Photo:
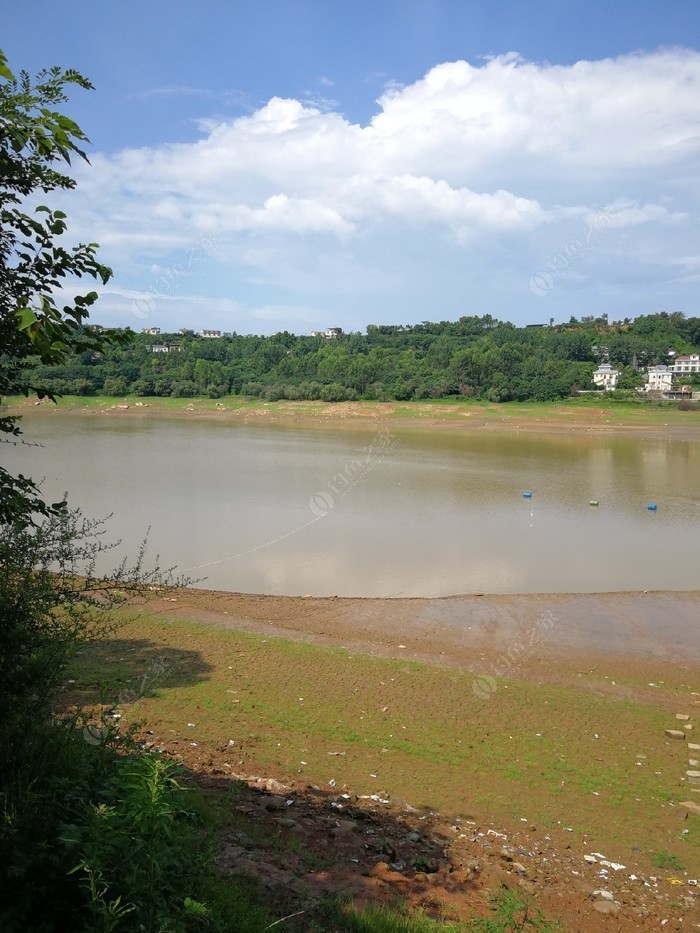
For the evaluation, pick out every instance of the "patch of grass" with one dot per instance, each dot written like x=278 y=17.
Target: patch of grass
x=667 y=860
x=508 y=912
x=336 y=916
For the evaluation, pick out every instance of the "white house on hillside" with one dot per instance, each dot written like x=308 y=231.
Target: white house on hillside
x=659 y=379
x=606 y=377
x=687 y=365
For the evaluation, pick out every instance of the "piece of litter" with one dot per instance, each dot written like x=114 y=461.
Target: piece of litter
x=331 y=783
x=191 y=725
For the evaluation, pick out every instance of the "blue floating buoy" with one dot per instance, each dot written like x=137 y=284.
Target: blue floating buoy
x=527 y=495
x=652 y=506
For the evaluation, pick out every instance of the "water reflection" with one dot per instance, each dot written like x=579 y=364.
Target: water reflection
x=438 y=512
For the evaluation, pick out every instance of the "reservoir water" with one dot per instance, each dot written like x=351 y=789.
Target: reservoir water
x=366 y=512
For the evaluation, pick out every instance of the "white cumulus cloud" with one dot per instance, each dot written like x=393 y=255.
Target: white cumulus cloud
x=458 y=190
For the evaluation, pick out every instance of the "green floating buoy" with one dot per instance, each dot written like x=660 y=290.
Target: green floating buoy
x=593 y=502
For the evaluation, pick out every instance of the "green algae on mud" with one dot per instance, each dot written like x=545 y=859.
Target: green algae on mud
x=558 y=755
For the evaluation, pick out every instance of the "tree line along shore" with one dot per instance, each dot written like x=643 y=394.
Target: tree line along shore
x=472 y=357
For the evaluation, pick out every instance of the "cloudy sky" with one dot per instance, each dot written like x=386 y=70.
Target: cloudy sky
x=296 y=164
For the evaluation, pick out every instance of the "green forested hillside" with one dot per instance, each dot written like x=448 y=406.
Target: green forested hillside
x=477 y=357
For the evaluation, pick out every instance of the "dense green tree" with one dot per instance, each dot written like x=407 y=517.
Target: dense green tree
x=35 y=139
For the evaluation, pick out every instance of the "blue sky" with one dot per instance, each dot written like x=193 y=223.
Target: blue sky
x=293 y=165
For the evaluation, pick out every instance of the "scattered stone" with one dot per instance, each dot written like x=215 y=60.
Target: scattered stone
x=691 y=806
x=606 y=907
x=675 y=734
x=601 y=892
x=288 y=823
x=271 y=785
x=344 y=828
x=694 y=747
x=693 y=774
x=682 y=717
x=275 y=803
x=413 y=836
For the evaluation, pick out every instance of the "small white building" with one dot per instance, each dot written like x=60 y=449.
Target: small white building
x=153 y=331
x=211 y=334
x=606 y=377
x=687 y=365
x=659 y=379
x=164 y=348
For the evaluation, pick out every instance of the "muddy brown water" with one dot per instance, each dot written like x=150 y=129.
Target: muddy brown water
x=282 y=509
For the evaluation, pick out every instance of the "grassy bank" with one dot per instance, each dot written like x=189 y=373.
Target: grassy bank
x=599 y=412
x=565 y=757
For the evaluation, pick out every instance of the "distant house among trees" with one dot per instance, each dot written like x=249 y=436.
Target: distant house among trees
x=211 y=334
x=153 y=331
x=687 y=365
x=606 y=377
x=329 y=332
x=659 y=379
x=164 y=348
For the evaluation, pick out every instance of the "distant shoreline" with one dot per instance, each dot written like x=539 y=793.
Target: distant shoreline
x=566 y=416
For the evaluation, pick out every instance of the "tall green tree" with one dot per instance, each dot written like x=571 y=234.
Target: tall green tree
x=36 y=141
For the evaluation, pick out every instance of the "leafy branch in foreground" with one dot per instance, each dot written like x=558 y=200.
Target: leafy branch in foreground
x=34 y=262
x=54 y=598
